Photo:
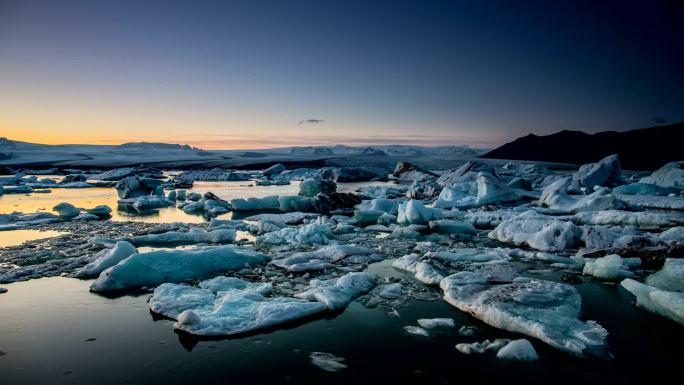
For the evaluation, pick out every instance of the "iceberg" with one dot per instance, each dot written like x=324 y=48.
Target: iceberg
x=157 y=267
x=639 y=220
x=416 y=331
x=424 y=271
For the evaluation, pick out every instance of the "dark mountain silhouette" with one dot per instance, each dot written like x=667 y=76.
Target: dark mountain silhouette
x=640 y=149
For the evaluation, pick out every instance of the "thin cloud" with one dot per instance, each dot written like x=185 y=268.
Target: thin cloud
x=312 y=121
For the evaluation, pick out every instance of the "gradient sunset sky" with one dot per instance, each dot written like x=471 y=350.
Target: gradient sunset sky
x=243 y=74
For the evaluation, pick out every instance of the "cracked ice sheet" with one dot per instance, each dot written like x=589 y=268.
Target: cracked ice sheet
x=540 y=309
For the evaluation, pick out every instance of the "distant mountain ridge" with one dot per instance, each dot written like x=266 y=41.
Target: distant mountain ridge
x=639 y=149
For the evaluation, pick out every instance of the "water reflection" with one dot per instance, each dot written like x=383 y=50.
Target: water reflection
x=91 y=197
x=17 y=237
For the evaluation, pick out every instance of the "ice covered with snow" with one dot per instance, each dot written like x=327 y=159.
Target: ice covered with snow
x=337 y=294
x=106 y=258
x=160 y=266
x=544 y=310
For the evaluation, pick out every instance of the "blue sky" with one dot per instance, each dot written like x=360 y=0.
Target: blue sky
x=243 y=74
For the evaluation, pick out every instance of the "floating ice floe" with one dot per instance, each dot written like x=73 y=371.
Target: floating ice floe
x=156 y=267
x=670 y=175
x=538 y=231
x=416 y=331
x=274 y=170
x=390 y=290
x=192 y=236
x=336 y=294
x=544 y=310
x=670 y=277
x=106 y=258
x=311 y=234
x=414 y=212
x=447 y=226
x=481 y=347
x=227 y=306
x=328 y=362
x=608 y=267
x=423 y=270
x=66 y=210
x=310 y=187
x=669 y=304
x=437 y=323
x=518 y=350
x=292 y=218
x=326 y=257
x=606 y=172
x=639 y=220
x=17 y=220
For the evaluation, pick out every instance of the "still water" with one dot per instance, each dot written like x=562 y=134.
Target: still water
x=46 y=327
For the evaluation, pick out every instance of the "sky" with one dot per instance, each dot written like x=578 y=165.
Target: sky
x=245 y=74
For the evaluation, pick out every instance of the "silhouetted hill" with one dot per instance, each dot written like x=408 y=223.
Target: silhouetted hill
x=640 y=149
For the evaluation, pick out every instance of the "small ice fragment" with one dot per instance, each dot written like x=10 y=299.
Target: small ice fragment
x=519 y=350
x=415 y=330
x=327 y=361
x=433 y=323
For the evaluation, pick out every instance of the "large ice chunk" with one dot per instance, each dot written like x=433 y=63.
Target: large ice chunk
x=234 y=307
x=669 y=304
x=156 y=267
x=540 y=309
x=608 y=267
x=670 y=277
x=538 y=231
x=670 y=175
x=325 y=256
x=414 y=212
